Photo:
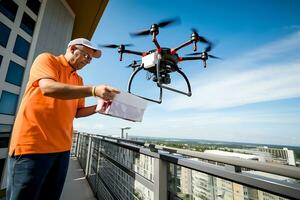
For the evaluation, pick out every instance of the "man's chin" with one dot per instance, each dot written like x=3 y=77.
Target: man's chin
x=80 y=66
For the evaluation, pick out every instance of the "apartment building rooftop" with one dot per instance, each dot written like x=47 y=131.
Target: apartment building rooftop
x=233 y=154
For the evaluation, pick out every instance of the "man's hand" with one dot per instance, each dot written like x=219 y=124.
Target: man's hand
x=107 y=93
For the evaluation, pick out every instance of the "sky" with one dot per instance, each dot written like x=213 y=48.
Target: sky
x=252 y=95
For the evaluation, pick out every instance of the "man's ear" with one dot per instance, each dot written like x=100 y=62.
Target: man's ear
x=72 y=49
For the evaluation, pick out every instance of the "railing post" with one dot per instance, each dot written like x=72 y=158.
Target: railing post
x=76 y=146
x=160 y=179
x=88 y=156
x=233 y=168
x=79 y=146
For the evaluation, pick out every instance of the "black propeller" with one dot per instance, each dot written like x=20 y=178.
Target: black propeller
x=168 y=22
x=206 y=50
x=115 y=45
x=155 y=27
x=199 y=38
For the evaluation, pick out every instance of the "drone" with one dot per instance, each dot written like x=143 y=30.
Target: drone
x=162 y=61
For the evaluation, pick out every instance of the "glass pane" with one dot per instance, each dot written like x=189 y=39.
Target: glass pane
x=34 y=5
x=189 y=184
x=5 y=31
x=9 y=8
x=21 y=47
x=141 y=164
x=27 y=24
x=5 y=128
x=8 y=103
x=4 y=141
x=2 y=164
x=14 y=74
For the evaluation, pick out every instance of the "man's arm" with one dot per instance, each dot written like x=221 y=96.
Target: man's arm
x=59 y=90
x=87 y=111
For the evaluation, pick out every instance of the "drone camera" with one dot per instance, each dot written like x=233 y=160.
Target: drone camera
x=165 y=78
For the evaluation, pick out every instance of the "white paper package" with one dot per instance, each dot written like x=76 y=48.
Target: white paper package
x=125 y=106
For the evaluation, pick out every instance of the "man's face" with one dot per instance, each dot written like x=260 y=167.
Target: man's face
x=81 y=56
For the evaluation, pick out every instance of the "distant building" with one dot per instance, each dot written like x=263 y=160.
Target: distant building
x=263 y=156
x=233 y=154
x=205 y=186
x=283 y=156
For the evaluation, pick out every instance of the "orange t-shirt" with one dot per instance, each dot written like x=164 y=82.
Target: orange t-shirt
x=45 y=124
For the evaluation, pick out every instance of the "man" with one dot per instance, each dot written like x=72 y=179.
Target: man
x=42 y=134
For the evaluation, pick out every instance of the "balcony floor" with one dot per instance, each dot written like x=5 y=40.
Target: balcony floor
x=76 y=186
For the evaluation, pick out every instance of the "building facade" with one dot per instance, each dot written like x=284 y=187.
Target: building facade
x=282 y=156
x=28 y=28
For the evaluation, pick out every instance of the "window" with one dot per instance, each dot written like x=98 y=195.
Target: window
x=14 y=74
x=5 y=131
x=1 y=59
x=27 y=24
x=5 y=31
x=21 y=47
x=34 y=5
x=8 y=103
x=9 y=8
x=5 y=128
x=4 y=141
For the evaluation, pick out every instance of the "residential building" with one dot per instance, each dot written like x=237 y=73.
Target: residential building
x=283 y=156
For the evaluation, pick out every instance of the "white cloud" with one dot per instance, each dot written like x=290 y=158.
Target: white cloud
x=247 y=81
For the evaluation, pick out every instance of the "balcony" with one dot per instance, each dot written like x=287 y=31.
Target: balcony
x=125 y=169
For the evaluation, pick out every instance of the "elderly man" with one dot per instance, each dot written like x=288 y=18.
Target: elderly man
x=42 y=134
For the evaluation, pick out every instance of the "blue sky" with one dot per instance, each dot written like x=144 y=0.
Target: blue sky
x=253 y=95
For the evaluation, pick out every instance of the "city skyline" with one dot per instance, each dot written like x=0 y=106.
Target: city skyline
x=252 y=95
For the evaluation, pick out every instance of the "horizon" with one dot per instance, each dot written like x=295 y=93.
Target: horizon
x=252 y=95
x=233 y=142
x=220 y=141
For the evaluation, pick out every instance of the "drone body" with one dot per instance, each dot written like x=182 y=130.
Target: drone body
x=160 y=62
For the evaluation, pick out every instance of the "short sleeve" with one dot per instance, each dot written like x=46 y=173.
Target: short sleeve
x=44 y=66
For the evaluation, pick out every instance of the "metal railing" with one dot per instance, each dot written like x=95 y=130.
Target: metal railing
x=126 y=169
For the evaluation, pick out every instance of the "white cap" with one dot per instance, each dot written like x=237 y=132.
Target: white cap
x=86 y=43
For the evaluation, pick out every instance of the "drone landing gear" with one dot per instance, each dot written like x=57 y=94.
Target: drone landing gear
x=129 y=86
x=160 y=83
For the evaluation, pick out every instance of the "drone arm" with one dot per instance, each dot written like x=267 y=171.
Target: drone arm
x=190 y=58
x=193 y=58
x=154 y=40
x=173 y=51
